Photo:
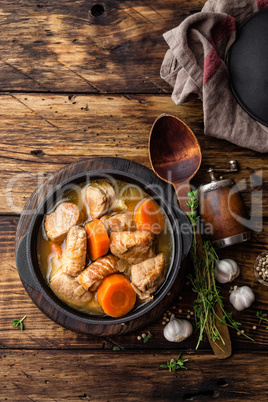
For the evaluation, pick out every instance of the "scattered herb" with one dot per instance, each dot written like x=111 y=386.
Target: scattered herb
x=116 y=345
x=208 y=299
x=17 y=323
x=117 y=348
x=262 y=317
x=173 y=365
x=148 y=337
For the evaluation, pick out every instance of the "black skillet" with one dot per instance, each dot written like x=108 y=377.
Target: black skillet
x=247 y=62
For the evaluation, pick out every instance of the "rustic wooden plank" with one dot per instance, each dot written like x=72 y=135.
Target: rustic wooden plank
x=81 y=375
x=41 y=333
x=55 y=46
x=42 y=133
x=47 y=46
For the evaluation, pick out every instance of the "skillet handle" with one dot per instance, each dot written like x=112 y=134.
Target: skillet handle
x=186 y=233
x=23 y=265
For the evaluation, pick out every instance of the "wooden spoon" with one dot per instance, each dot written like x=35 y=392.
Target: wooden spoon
x=175 y=154
x=175 y=157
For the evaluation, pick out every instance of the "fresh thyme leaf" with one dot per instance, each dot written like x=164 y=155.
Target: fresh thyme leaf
x=262 y=317
x=148 y=337
x=173 y=365
x=117 y=348
x=17 y=323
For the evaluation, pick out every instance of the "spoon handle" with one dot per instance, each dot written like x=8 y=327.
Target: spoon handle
x=222 y=350
x=182 y=190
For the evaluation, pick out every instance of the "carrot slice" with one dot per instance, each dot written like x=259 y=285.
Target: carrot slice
x=56 y=248
x=97 y=239
x=116 y=295
x=148 y=216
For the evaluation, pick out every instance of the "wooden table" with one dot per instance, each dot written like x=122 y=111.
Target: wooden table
x=80 y=80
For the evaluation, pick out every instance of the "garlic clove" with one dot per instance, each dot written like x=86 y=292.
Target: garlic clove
x=226 y=270
x=177 y=330
x=242 y=297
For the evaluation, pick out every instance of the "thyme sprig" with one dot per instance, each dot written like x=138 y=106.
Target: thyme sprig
x=174 y=364
x=17 y=323
x=116 y=345
x=262 y=317
x=208 y=299
x=148 y=337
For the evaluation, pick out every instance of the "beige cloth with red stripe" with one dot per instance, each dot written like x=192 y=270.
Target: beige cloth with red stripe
x=194 y=66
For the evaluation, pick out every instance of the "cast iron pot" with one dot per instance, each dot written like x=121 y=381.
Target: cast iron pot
x=40 y=292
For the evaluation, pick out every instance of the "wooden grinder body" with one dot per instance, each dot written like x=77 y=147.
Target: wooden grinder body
x=223 y=212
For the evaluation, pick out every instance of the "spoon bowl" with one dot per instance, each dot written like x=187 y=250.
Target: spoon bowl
x=174 y=153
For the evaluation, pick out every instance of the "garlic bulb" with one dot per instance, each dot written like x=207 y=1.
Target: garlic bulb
x=242 y=297
x=226 y=270
x=177 y=330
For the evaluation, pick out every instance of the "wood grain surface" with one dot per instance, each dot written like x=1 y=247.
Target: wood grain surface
x=50 y=46
x=78 y=82
x=42 y=133
x=38 y=376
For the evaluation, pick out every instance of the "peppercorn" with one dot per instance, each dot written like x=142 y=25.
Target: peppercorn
x=261 y=267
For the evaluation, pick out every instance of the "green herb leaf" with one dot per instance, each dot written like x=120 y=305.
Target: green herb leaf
x=117 y=348
x=262 y=317
x=17 y=323
x=148 y=337
x=173 y=365
x=164 y=366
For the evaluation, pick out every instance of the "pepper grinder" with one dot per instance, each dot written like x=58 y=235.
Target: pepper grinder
x=223 y=212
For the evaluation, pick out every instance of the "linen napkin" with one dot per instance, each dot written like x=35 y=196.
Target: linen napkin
x=195 y=67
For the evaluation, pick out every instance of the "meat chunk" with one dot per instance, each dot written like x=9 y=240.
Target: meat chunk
x=121 y=222
x=99 y=199
x=69 y=290
x=132 y=247
x=148 y=275
x=92 y=276
x=108 y=190
x=59 y=222
x=105 y=221
x=74 y=255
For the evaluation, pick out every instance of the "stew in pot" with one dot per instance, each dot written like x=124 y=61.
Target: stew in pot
x=105 y=247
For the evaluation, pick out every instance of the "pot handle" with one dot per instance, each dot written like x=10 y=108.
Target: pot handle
x=23 y=265
x=186 y=233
